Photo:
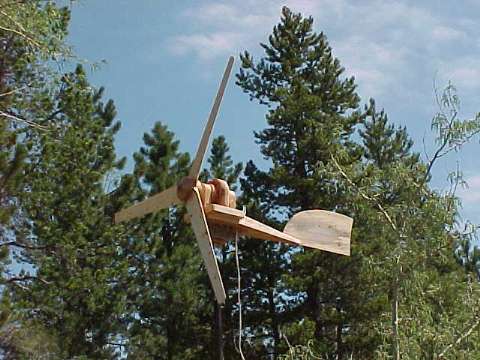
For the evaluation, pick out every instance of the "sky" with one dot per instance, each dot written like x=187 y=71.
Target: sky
x=163 y=60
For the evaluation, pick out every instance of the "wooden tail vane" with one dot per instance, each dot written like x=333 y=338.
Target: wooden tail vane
x=215 y=219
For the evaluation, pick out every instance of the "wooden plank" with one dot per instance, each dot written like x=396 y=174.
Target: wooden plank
x=221 y=234
x=245 y=225
x=202 y=234
x=223 y=214
x=154 y=203
x=202 y=147
x=321 y=229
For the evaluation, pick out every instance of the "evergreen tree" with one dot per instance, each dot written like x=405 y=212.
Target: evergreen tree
x=172 y=306
x=312 y=113
x=383 y=143
x=164 y=264
x=73 y=287
x=31 y=35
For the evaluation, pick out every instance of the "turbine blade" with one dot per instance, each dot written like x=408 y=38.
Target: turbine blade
x=202 y=234
x=154 y=203
x=202 y=147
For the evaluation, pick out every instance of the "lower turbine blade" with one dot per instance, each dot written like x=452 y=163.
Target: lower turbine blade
x=200 y=228
x=154 y=203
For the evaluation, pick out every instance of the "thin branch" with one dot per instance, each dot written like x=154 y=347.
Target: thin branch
x=425 y=148
x=28 y=38
x=117 y=344
x=16 y=244
x=13 y=91
x=459 y=339
x=438 y=154
x=28 y=122
x=16 y=279
x=365 y=196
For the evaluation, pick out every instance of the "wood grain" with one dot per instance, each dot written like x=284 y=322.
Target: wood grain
x=202 y=234
x=202 y=147
x=317 y=229
x=154 y=203
x=322 y=229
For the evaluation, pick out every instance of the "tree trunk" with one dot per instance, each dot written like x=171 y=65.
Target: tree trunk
x=339 y=327
x=395 y=334
x=273 y=315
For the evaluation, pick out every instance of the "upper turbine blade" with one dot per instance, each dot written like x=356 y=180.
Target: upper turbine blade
x=202 y=147
x=200 y=228
x=156 y=202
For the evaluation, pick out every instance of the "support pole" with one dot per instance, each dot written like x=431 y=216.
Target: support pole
x=219 y=330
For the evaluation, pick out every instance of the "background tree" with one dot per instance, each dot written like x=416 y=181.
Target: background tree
x=173 y=316
x=313 y=110
x=73 y=249
x=403 y=239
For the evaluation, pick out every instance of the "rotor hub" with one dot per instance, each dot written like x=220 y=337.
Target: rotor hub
x=216 y=191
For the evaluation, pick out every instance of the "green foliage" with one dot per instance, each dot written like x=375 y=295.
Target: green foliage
x=85 y=288
x=172 y=317
x=313 y=110
x=404 y=239
x=164 y=284
x=74 y=249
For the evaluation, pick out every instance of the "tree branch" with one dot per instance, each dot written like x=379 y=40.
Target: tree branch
x=16 y=244
x=459 y=339
x=15 y=279
x=28 y=122
x=363 y=195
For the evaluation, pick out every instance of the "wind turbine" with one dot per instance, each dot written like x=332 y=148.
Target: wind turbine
x=214 y=218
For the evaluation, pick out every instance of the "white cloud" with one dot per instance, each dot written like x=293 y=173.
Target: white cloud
x=385 y=44
x=205 y=46
x=471 y=194
x=464 y=72
x=445 y=33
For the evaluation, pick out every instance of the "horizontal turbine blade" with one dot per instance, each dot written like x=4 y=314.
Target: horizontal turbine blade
x=202 y=147
x=202 y=234
x=154 y=203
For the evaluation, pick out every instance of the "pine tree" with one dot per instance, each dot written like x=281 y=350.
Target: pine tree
x=172 y=312
x=32 y=34
x=74 y=255
x=313 y=110
x=383 y=143
x=164 y=287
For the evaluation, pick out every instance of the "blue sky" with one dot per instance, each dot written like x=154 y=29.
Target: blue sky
x=164 y=61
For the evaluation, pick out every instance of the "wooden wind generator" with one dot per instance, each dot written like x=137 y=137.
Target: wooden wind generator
x=214 y=218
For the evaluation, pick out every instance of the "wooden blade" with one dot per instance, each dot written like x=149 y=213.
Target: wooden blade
x=200 y=228
x=202 y=147
x=154 y=203
x=322 y=229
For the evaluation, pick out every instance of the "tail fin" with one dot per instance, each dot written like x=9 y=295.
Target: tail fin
x=323 y=230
